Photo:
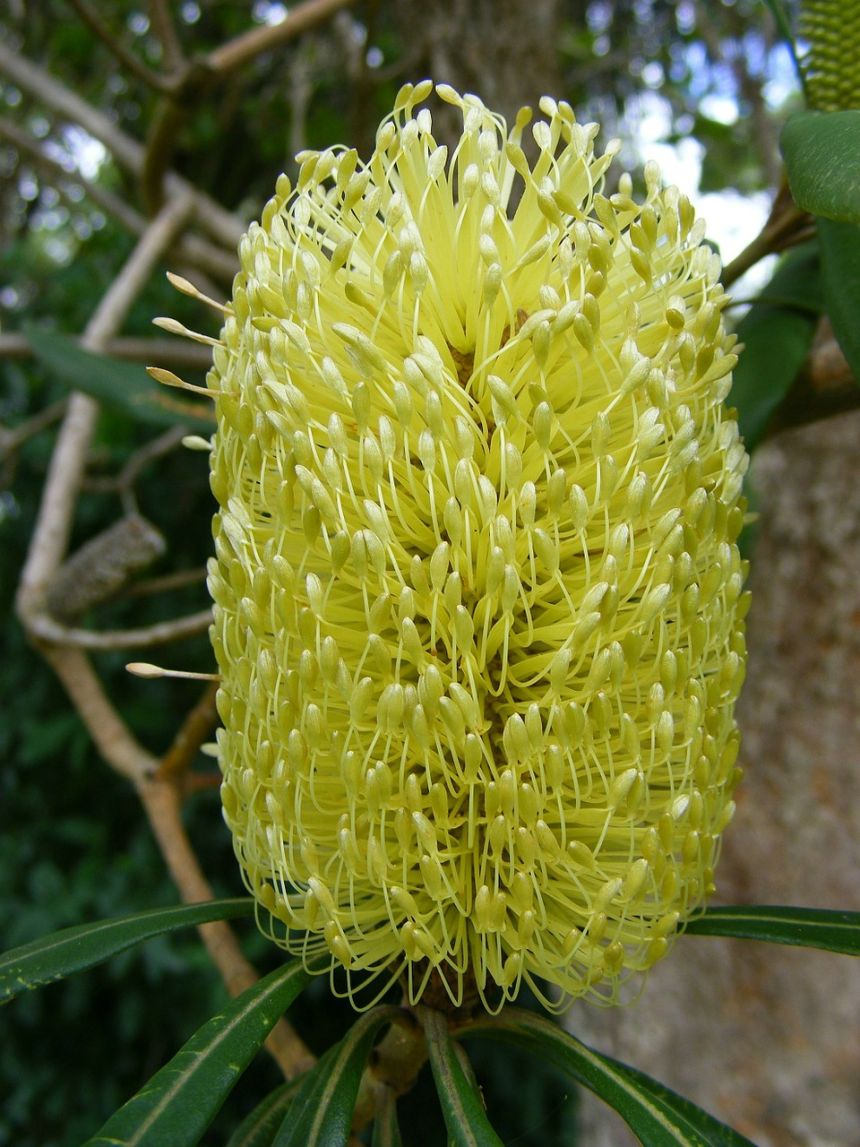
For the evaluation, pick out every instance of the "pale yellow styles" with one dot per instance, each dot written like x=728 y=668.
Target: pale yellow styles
x=478 y=603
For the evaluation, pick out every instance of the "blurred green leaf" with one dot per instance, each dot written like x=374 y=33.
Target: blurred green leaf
x=321 y=1113
x=658 y=1116
x=52 y=957
x=462 y=1106
x=822 y=159
x=125 y=385
x=806 y=927
x=776 y=339
x=177 y=1105
x=386 y=1129
x=258 y=1128
x=840 y=271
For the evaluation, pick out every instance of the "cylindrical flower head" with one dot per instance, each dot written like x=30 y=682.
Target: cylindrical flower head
x=478 y=603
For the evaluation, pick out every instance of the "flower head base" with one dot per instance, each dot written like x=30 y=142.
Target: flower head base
x=478 y=606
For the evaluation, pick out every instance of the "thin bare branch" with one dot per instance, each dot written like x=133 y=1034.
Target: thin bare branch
x=47 y=629
x=246 y=47
x=175 y=351
x=164 y=27
x=128 y=59
x=13 y=437
x=786 y=227
x=197 y=726
x=192 y=249
x=128 y=152
x=179 y=579
x=53 y=523
x=163 y=805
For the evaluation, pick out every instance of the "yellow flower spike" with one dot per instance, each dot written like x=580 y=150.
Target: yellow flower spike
x=478 y=608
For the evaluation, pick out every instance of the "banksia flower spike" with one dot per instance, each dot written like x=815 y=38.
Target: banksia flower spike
x=478 y=603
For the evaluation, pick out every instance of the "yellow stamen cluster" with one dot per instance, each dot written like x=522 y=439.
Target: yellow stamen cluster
x=478 y=603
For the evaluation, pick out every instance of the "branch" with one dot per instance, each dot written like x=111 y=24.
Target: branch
x=250 y=44
x=165 y=30
x=46 y=629
x=191 y=249
x=128 y=152
x=128 y=59
x=53 y=523
x=786 y=226
x=163 y=807
x=196 y=727
x=11 y=439
x=145 y=350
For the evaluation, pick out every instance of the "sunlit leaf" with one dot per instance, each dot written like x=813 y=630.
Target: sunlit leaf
x=73 y=949
x=177 y=1105
x=321 y=1114
x=822 y=159
x=124 y=385
x=259 y=1127
x=807 y=927
x=776 y=336
x=840 y=271
x=658 y=1116
x=465 y=1117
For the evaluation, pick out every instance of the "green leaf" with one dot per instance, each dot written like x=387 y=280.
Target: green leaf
x=258 y=1128
x=177 y=1105
x=658 y=1116
x=465 y=1117
x=321 y=1114
x=386 y=1129
x=805 y=927
x=52 y=957
x=776 y=341
x=124 y=385
x=822 y=160
x=840 y=270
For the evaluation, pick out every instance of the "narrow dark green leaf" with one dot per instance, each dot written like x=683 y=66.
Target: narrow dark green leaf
x=840 y=271
x=386 y=1129
x=658 y=1116
x=822 y=160
x=321 y=1114
x=805 y=927
x=462 y=1106
x=124 y=385
x=259 y=1127
x=776 y=341
x=73 y=949
x=177 y=1105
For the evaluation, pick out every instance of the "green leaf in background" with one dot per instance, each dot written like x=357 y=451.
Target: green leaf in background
x=259 y=1127
x=776 y=335
x=180 y=1101
x=806 y=927
x=658 y=1116
x=124 y=385
x=73 y=949
x=462 y=1106
x=840 y=271
x=386 y=1129
x=321 y=1114
x=822 y=160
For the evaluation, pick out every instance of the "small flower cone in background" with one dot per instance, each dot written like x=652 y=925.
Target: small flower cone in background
x=478 y=602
